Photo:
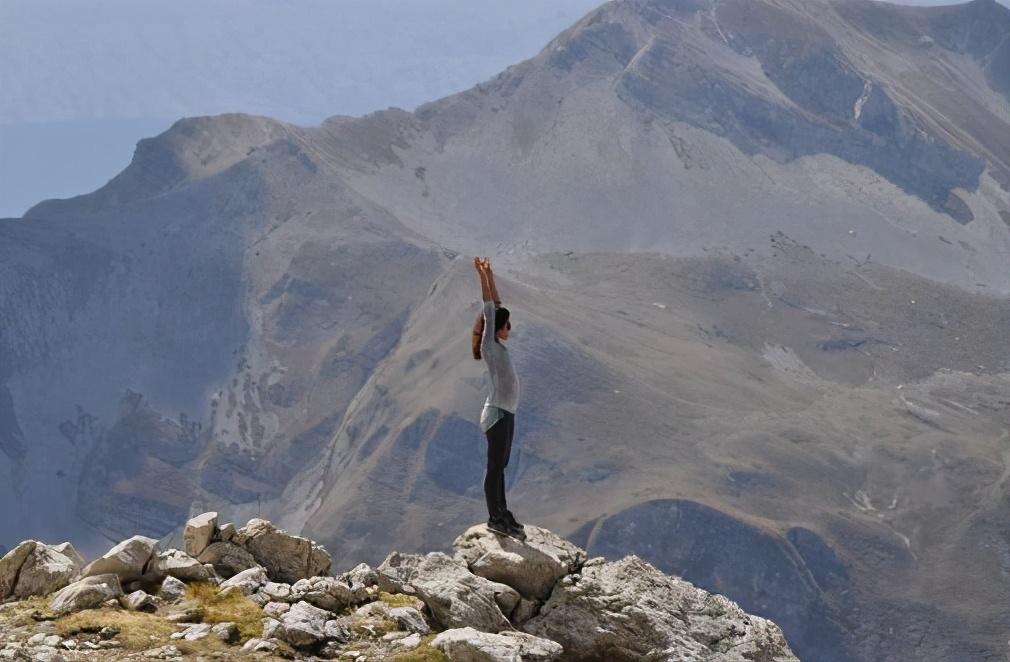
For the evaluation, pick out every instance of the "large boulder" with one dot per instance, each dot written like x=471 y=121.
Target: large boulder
x=531 y=567
x=628 y=610
x=10 y=566
x=227 y=558
x=286 y=557
x=178 y=564
x=86 y=593
x=469 y=645
x=34 y=568
x=302 y=626
x=128 y=560
x=455 y=596
x=44 y=571
x=198 y=533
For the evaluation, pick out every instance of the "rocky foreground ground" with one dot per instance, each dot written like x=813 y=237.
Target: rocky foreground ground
x=257 y=592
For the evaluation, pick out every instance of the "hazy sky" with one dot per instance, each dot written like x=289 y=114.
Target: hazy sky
x=83 y=80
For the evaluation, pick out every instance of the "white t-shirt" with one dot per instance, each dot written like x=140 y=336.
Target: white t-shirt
x=504 y=393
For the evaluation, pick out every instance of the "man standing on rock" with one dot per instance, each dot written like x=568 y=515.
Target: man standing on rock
x=497 y=419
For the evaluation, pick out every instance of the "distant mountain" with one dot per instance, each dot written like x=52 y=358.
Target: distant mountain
x=83 y=83
x=755 y=252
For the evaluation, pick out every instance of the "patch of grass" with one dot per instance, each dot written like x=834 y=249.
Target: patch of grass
x=423 y=653
x=232 y=608
x=137 y=630
x=398 y=599
x=25 y=611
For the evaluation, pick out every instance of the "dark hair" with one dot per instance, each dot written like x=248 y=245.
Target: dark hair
x=501 y=318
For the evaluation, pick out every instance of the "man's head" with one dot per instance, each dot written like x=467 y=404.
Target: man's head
x=502 y=325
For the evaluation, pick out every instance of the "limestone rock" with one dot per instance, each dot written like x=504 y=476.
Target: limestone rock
x=470 y=645
x=227 y=558
x=278 y=592
x=286 y=557
x=198 y=533
x=179 y=564
x=10 y=566
x=140 y=601
x=248 y=581
x=329 y=593
x=530 y=567
x=128 y=560
x=629 y=610
x=226 y=632
x=67 y=550
x=43 y=570
x=302 y=626
x=86 y=593
x=455 y=596
x=409 y=619
x=524 y=611
x=276 y=609
x=171 y=589
x=226 y=532
x=194 y=632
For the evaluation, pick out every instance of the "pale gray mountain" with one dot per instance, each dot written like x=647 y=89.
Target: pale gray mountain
x=755 y=252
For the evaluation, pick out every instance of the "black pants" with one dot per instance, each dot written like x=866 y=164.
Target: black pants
x=499 y=447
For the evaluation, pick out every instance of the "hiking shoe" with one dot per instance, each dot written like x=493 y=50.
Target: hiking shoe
x=511 y=520
x=500 y=526
x=517 y=531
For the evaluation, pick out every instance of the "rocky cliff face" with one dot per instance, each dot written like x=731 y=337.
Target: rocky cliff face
x=260 y=593
x=755 y=253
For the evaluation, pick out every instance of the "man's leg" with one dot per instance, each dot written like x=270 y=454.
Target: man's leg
x=494 y=479
x=510 y=421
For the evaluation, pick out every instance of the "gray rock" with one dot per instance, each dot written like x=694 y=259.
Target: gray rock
x=43 y=571
x=226 y=632
x=524 y=611
x=10 y=565
x=194 y=632
x=629 y=610
x=179 y=564
x=362 y=573
x=86 y=593
x=410 y=641
x=198 y=533
x=409 y=619
x=128 y=560
x=329 y=593
x=531 y=566
x=301 y=626
x=256 y=645
x=286 y=557
x=338 y=629
x=455 y=596
x=248 y=581
x=277 y=592
x=470 y=645
x=172 y=589
x=226 y=532
x=276 y=609
x=227 y=558
x=140 y=601
x=68 y=550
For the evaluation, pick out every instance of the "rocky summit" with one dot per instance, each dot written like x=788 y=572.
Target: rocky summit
x=496 y=599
